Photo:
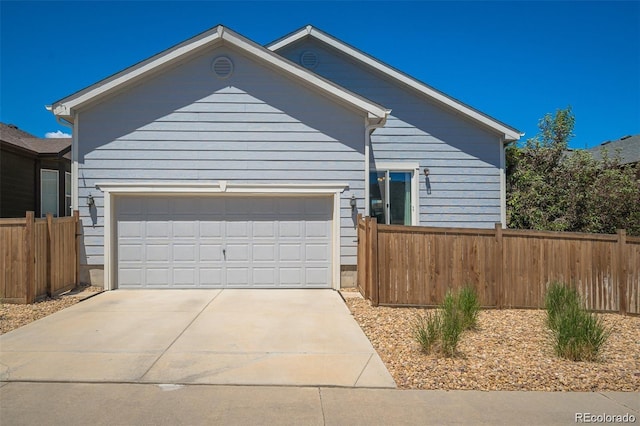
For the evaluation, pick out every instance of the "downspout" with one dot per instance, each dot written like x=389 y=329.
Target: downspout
x=368 y=129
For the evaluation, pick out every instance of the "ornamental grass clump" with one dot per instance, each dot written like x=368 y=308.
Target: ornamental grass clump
x=469 y=307
x=441 y=329
x=578 y=335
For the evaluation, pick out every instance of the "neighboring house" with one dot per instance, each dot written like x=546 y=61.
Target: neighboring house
x=223 y=163
x=35 y=174
x=627 y=147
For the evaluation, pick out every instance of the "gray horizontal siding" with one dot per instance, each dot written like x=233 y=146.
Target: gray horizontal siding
x=463 y=158
x=185 y=125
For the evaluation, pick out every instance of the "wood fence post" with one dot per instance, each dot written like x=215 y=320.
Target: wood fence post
x=375 y=283
x=499 y=267
x=49 y=253
x=30 y=258
x=622 y=271
x=76 y=217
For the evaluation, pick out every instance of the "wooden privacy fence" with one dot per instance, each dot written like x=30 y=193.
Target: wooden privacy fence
x=38 y=257
x=415 y=266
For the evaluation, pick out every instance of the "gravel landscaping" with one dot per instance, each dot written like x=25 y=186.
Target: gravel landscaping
x=13 y=316
x=511 y=350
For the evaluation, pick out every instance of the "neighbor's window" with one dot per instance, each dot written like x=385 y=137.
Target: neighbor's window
x=67 y=193
x=48 y=192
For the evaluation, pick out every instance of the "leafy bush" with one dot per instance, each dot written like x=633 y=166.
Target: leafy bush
x=578 y=335
x=469 y=307
x=443 y=328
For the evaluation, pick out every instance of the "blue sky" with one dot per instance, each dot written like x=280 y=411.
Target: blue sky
x=513 y=60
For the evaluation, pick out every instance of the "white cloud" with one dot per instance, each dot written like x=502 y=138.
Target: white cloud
x=57 y=134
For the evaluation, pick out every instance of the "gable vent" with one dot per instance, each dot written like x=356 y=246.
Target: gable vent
x=222 y=67
x=309 y=59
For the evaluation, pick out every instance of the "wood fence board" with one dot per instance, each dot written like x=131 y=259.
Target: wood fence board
x=37 y=257
x=509 y=268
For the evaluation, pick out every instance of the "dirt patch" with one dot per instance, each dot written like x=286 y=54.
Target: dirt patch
x=14 y=316
x=511 y=350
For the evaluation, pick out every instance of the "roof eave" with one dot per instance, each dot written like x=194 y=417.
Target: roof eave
x=508 y=133
x=65 y=108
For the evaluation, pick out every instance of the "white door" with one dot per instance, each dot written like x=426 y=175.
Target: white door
x=218 y=242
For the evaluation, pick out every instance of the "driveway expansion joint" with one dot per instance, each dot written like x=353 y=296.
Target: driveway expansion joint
x=140 y=379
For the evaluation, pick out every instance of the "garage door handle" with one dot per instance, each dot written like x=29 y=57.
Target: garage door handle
x=224 y=254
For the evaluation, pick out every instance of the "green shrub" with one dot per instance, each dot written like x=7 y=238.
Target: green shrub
x=578 y=335
x=469 y=307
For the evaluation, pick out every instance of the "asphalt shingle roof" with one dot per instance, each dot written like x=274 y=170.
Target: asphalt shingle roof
x=12 y=135
x=628 y=147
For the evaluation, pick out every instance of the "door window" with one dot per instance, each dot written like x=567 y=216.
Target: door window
x=390 y=197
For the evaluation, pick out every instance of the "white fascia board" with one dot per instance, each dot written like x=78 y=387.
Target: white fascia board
x=508 y=133
x=375 y=112
x=220 y=187
x=64 y=106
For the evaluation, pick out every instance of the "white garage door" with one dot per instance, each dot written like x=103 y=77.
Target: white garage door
x=217 y=242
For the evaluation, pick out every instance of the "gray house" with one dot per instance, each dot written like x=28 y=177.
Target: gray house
x=223 y=163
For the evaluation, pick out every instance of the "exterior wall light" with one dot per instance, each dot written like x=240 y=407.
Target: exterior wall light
x=353 y=203
x=90 y=201
x=426 y=171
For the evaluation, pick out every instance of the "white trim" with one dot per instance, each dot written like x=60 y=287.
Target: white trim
x=70 y=204
x=74 y=167
x=409 y=166
x=509 y=133
x=113 y=189
x=503 y=184
x=57 y=211
x=66 y=106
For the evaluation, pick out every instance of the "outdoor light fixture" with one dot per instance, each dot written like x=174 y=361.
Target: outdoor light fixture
x=353 y=203
x=426 y=171
x=90 y=201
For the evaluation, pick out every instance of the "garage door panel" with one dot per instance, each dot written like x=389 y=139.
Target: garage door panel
x=211 y=229
x=158 y=229
x=316 y=253
x=289 y=276
x=237 y=230
x=210 y=252
x=156 y=252
x=185 y=229
x=133 y=229
x=184 y=252
x=316 y=276
x=289 y=229
x=130 y=277
x=290 y=252
x=264 y=229
x=210 y=277
x=316 y=229
x=264 y=252
x=158 y=277
x=179 y=242
x=184 y=277
x=238 y=277
x=264 y=276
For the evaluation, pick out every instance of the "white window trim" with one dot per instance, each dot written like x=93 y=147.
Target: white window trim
x=221 y=188
x=57 y=212
x=68 y=204
x=412 y=167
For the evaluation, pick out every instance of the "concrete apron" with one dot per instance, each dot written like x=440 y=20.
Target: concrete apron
x=238 y=337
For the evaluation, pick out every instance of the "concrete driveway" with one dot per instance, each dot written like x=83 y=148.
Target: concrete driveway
x=240 y=337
